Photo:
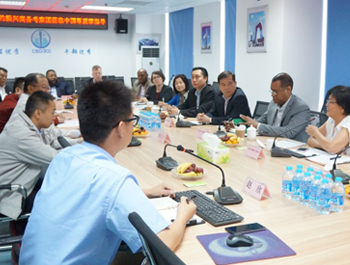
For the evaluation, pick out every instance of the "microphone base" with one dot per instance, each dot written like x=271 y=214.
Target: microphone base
x=226 y=195
x=183 y=124
x=278 y=152
x=220 y=134
x=134 y=142
x=166 y=163
x=339 y=173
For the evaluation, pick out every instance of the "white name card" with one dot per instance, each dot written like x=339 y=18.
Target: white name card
x=256 y=189
x=254 y=152
x=200 y=133
x=169 y=122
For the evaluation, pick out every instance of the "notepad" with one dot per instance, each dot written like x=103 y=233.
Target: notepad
x=289 y=143
x=167 y=207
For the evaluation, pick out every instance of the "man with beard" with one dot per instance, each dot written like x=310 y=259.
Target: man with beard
x=58 y=89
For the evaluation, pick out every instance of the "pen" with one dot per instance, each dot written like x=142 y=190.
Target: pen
x=332 y=158
x=190 y=199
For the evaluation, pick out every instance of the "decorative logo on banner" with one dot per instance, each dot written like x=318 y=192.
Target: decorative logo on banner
x=41 y=39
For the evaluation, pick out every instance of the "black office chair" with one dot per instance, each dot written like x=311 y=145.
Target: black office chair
x=154 y=249
x=12 y=241
x=260 y=109
x=319 y=118
x=133 y=80
x=216 y=87
x=9 y=85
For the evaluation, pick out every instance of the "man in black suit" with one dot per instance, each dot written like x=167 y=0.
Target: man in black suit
x=3 y=79
x=200 y=99
x=229 y=103
x=58 y=89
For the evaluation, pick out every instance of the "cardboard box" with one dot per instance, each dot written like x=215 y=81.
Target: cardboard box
x=220 y=155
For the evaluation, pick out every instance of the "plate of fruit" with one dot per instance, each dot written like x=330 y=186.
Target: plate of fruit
x=188 y=171
x=140 y=132
x=70 y=101
x=163 y=115
x=347 y=191
x=231 y=139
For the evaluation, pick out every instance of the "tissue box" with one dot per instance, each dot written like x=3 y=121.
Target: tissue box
x=220 y=155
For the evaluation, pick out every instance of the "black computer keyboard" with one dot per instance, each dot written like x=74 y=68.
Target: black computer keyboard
x=210 y=210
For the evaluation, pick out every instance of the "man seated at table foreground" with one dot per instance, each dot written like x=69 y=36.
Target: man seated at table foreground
x=229 y=103
x=82 y=208
x=285 y=112
x=26 y=152
x=333 y=135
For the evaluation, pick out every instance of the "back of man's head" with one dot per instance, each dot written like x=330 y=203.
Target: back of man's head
x=31 y=80
x=38 y=100
x=285 y=79
x=100 y=107
x=19 y=83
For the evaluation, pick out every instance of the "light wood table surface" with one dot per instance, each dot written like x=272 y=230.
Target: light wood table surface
x=317 y=239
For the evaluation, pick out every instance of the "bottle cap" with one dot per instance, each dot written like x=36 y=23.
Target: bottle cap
x=307 y=174
x=298 y=170
x=324 y=180
x=310 y=169
x=300 y=166
x=328 y=175
x=289 y=168
x=317 y=177
x=339 y=179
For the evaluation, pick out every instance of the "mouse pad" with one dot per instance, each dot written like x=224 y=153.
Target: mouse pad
x=266 y=245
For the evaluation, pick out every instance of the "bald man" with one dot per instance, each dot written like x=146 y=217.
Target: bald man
x=142 y=84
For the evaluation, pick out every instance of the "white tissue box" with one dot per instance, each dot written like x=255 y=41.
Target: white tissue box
x=219 y=155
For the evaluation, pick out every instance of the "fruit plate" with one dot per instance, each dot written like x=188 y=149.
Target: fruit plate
x=175 y=175
x=346 y=195
x=141 y=136
x=231 y=145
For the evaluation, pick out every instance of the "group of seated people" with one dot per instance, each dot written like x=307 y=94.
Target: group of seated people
x=81 y=193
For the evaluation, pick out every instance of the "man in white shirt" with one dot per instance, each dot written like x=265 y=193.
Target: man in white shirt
x=3 y=79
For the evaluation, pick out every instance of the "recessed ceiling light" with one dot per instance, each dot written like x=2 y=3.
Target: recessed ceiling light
x=108 y=8
x=12 y=3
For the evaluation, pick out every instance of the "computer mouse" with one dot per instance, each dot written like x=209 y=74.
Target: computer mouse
x=235 y=241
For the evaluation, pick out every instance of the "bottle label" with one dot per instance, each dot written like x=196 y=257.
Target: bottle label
x=305 y=194
x=312 y=196
x=337 y=200
x=287 y=186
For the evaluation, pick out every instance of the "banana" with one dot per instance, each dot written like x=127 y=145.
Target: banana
x=182 y=168
x=190 y=174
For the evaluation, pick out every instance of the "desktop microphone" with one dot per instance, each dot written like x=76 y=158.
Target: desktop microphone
x=223 y=194
x=278 y=152
x=187 y=124
x=166 y=162
x=63 y=142
x=338 y=172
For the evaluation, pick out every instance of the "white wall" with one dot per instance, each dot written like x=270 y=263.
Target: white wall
x=293 y=46
x=210 y=61
x=116 y=53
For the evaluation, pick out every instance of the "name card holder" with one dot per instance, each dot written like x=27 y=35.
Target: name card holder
x=254 y=152
x=163 y=137
x=200 y=133
x=169 y=122
x=256 y=189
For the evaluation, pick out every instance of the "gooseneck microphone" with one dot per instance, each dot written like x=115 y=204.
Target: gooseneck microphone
x=166 y=162
x=338 y=172
x=278 y=152
x=224 y=194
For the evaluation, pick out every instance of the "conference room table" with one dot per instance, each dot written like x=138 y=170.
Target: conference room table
x=316 y=239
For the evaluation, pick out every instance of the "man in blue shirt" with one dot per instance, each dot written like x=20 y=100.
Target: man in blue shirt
x=80 y=215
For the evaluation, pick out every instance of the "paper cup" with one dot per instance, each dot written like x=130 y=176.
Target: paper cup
x=269 y=143
x=150 y=105
x=240 y=132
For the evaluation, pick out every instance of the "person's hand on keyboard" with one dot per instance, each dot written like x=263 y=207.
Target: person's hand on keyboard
x=186 y=209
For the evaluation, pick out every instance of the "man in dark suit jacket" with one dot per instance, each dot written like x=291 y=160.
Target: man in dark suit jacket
x=200 y=99
x=58 y=88
x=229 y=103
x=285 y=112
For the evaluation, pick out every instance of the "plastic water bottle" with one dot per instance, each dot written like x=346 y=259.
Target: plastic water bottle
x=324 y=194
x=338 y=194
x=158 y=123
x=319 y=172
x=296 y=185
x=315 y=184
x=305 y=188
x=330 y=180
x=287 y=178
x=311 y=170
x=299 y=167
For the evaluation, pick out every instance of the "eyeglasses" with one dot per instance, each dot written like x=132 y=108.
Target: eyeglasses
x=134 y=119
x=156 y=77
x=331 y=102
x=273 y=93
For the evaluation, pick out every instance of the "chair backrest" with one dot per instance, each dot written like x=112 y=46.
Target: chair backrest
x=319 y=118
x=216 y=87
x=154 y=249
x=133 y=80
x=260 y=109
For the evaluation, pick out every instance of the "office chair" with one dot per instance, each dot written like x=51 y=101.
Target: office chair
x=216 y=87
x=133 y=80
x=154 y=249
x=12 y=242
x=320 y=118
x=260 y=109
